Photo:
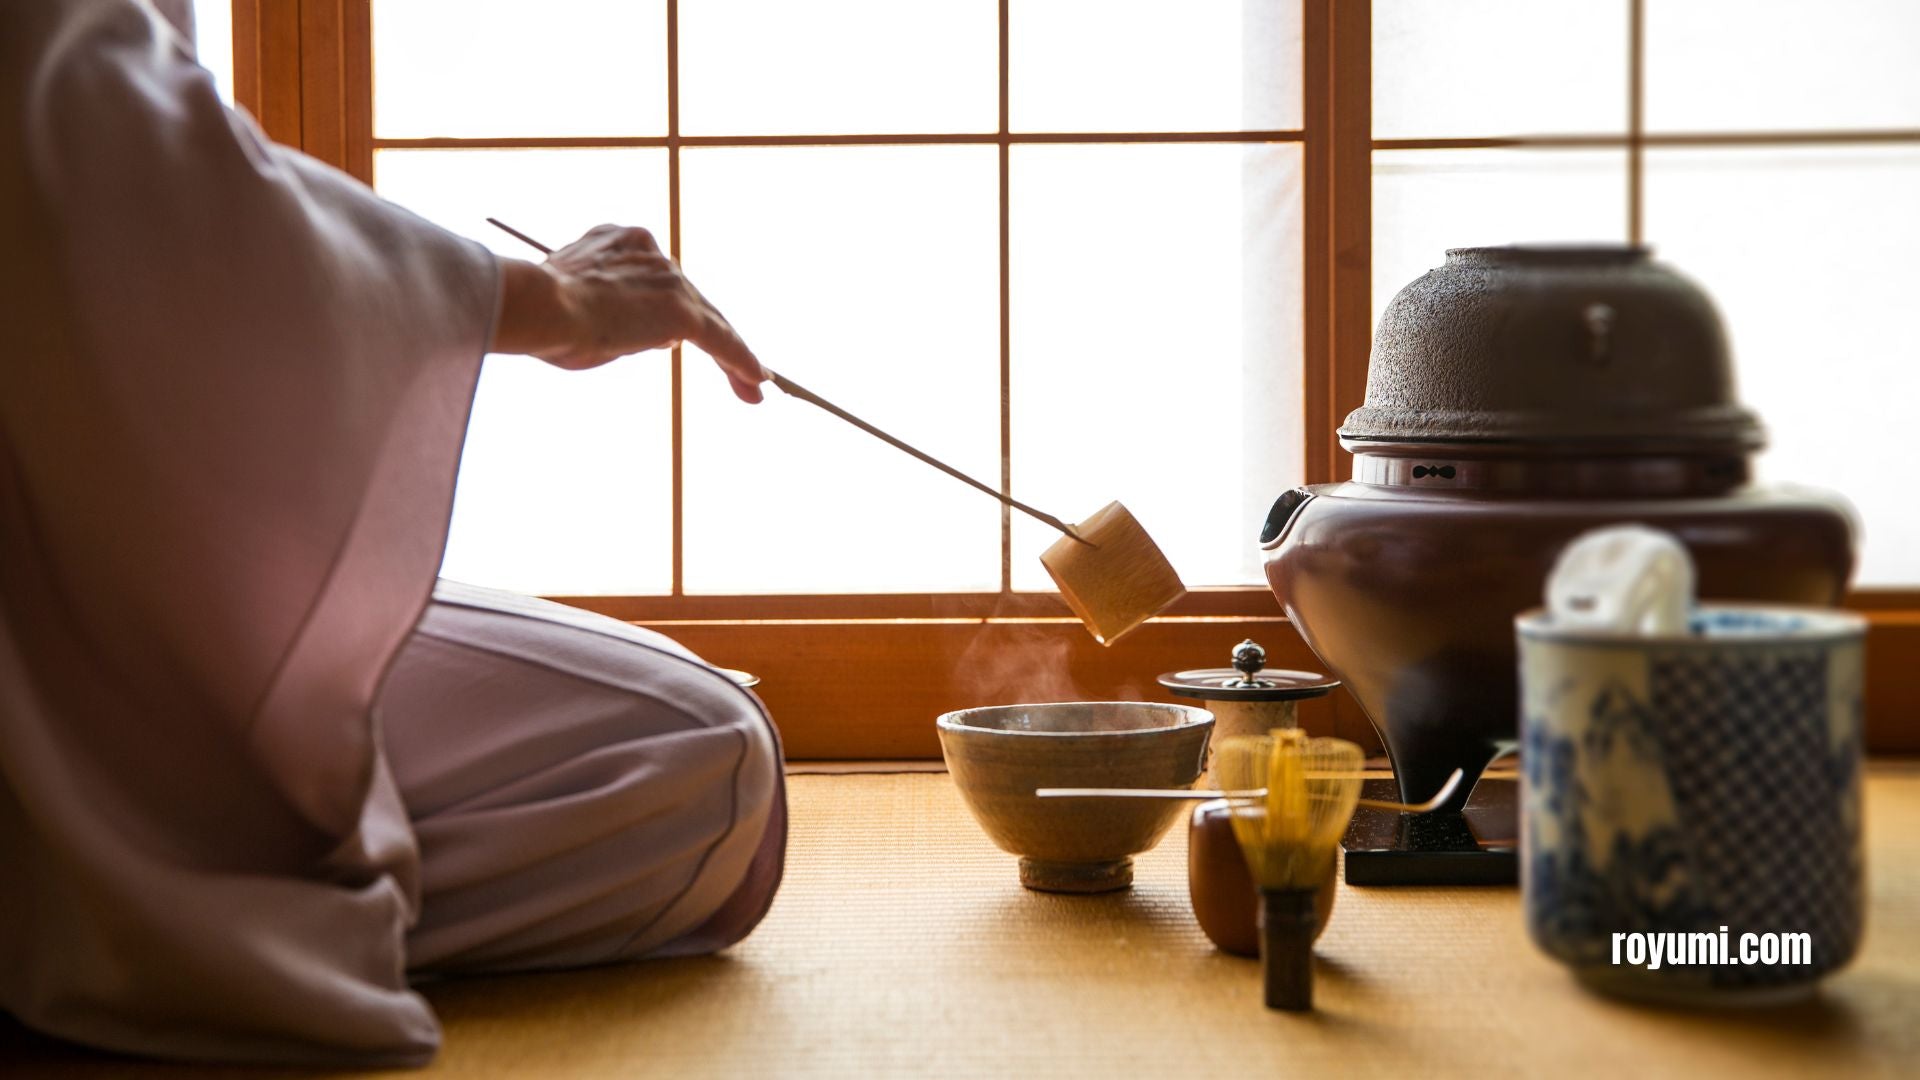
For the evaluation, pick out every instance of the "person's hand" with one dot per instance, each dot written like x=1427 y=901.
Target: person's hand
x=610 y=293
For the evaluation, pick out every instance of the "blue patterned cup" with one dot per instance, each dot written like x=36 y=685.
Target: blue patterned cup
x=1691 y=796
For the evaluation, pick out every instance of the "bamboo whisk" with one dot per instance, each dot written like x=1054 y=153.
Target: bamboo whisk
x=1291 y=798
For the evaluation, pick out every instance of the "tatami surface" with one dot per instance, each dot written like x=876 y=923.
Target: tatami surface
x=902 y=946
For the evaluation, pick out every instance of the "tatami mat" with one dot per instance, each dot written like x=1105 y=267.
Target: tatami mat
x=902 y=946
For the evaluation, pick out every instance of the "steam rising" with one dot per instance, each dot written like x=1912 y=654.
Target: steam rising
x=1018 y=663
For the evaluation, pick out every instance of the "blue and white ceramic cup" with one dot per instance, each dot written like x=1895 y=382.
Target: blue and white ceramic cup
x=1692 y=790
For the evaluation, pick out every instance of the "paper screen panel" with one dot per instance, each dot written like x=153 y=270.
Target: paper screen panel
x=565 y=483
x=1146 y=65
x=870 y=276
x=509 y=68
x=1813 y=257
x=1474 y=68
x=1156 y=345
x=1782 y=65
x=774 y=67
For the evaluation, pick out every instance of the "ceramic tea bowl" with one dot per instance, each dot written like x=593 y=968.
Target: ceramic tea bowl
x=1000 y=755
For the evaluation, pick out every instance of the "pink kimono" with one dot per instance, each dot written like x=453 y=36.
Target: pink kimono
x=254 y=768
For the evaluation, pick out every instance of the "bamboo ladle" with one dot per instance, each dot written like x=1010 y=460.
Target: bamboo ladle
x=1110 y=572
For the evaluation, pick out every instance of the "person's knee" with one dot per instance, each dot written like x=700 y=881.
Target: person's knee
x=747 y=867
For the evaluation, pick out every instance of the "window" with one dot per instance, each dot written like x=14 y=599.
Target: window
x=1096 y=250
x=1770 y=150
x=1062 y=253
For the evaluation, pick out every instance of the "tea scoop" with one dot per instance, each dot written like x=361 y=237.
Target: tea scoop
x=1438 y=799
x=1109 y=571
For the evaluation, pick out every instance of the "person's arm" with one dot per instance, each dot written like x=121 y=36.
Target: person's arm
x=610 y=293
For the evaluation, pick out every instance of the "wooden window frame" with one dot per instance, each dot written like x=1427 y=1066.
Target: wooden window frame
x=862 y=676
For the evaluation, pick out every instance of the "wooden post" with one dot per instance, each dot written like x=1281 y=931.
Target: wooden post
x=303 y=68
x=1316 y=107
x=266 y=65
x=1351 y=212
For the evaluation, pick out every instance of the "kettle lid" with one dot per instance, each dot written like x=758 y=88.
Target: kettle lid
x=1249 y=679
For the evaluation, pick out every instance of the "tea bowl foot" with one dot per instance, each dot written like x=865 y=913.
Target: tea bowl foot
x=1076 y=877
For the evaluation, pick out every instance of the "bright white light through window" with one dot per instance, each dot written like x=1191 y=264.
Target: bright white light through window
x=1149 y=65
x=1156 y=345
x=1455 y=68
x=478 y=68
x=213 y=33
x=872 y=275
x=778 y=67
x=1782 y=65
x=1810 y=255
x=566 y=481
x=1807 y=250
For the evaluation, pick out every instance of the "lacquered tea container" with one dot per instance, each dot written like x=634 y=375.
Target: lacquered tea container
x=1225 y=901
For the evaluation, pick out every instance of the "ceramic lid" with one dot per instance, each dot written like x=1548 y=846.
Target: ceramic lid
x=1248 y=680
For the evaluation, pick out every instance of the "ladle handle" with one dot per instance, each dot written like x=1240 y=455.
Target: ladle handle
x=520 y=236
x=794 y=389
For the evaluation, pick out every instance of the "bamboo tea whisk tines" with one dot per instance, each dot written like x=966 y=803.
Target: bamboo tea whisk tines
x=1291 y=798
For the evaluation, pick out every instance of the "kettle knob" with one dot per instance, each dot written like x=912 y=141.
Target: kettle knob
x=1248 y=659
x=1600 y=319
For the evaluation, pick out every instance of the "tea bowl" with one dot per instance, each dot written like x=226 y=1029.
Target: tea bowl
x=1001 y=754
